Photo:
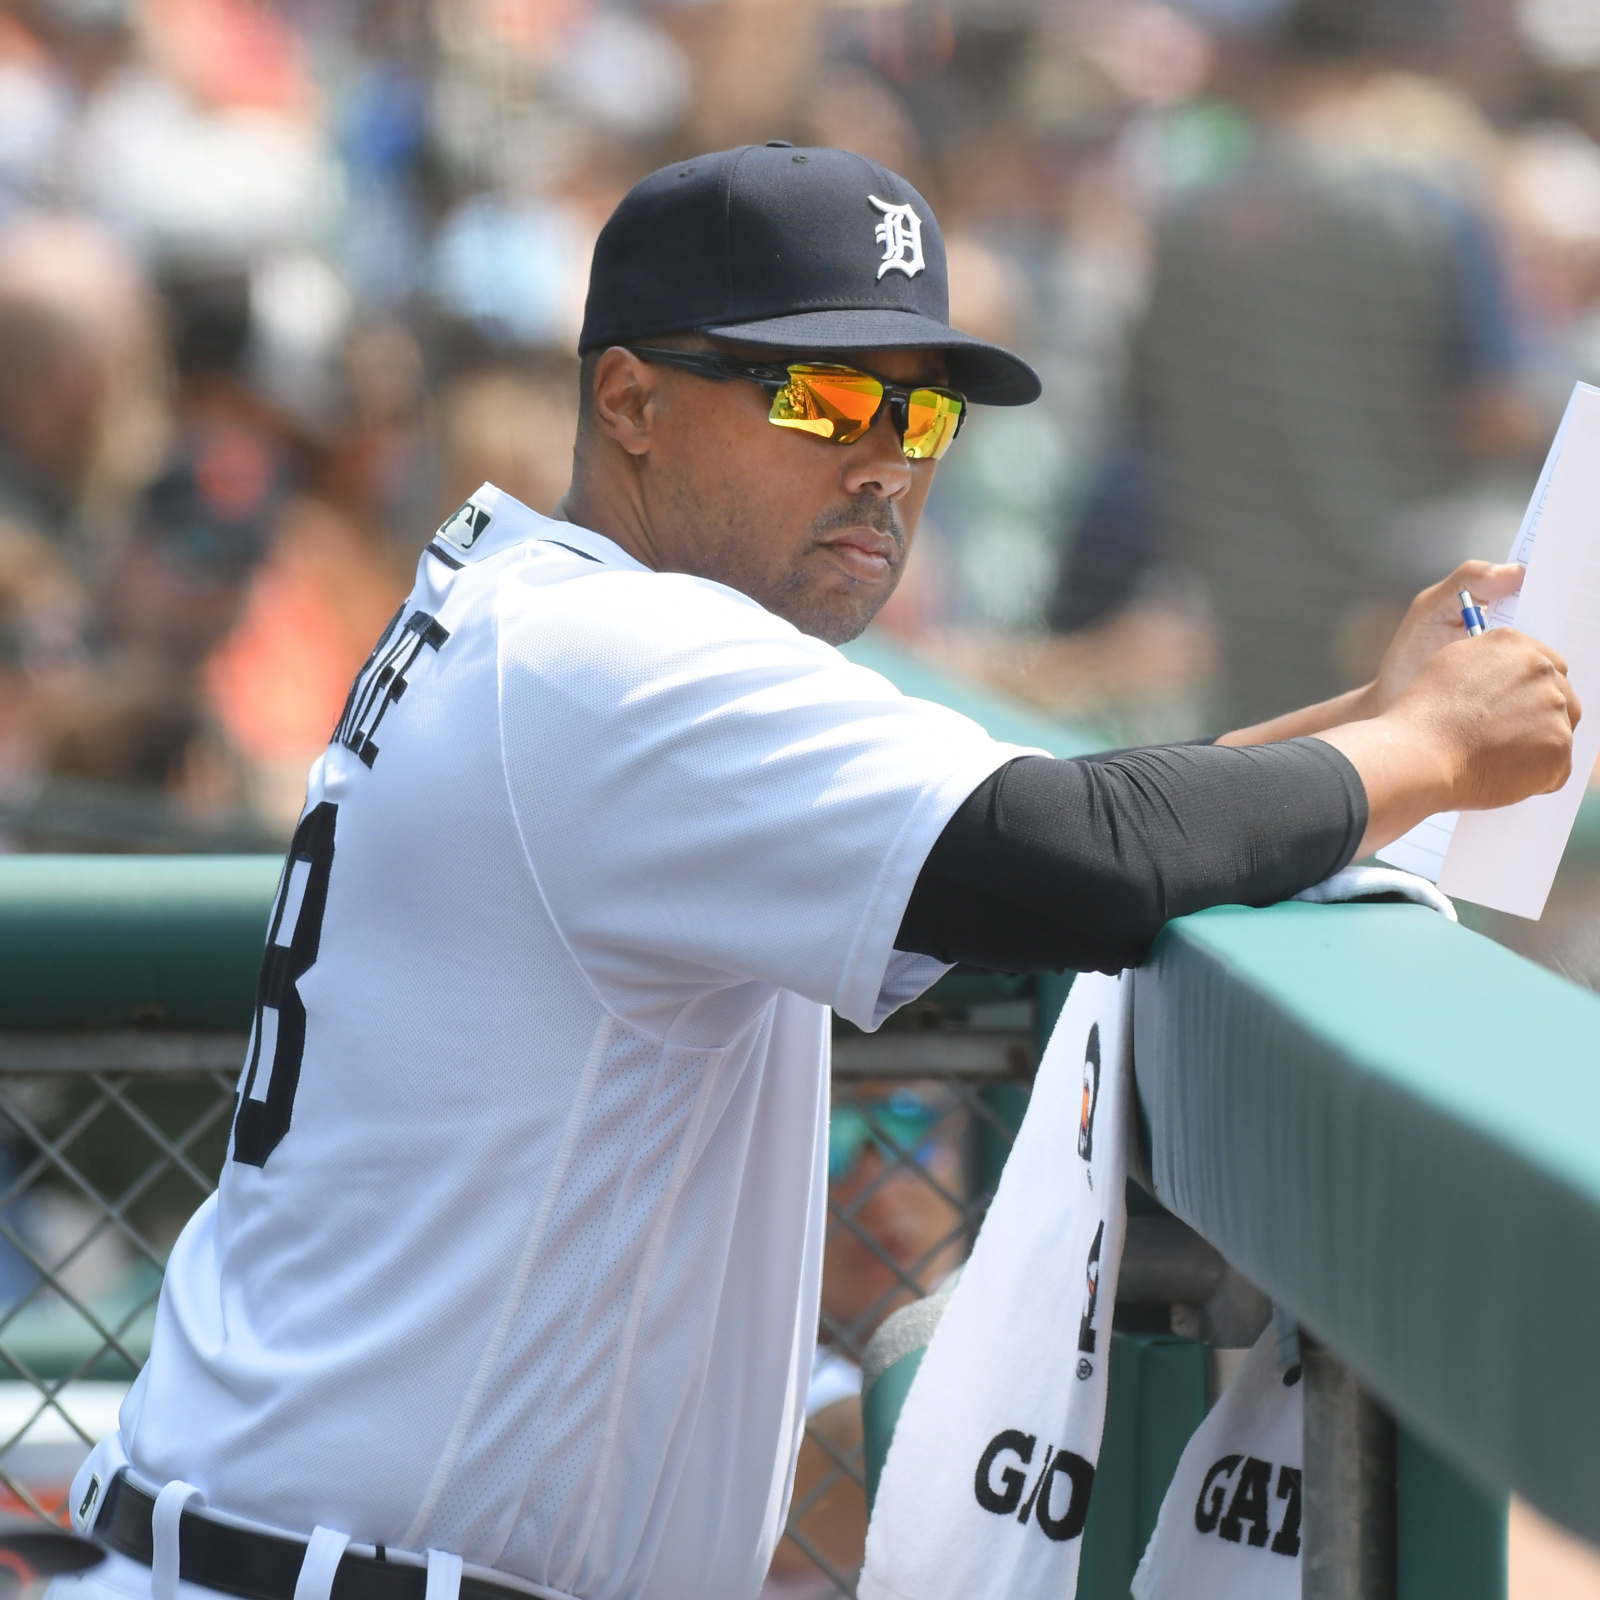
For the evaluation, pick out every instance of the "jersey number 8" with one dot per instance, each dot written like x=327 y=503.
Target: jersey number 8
x=278 y=1039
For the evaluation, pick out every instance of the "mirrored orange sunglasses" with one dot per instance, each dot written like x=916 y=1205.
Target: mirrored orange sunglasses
x=832 y=402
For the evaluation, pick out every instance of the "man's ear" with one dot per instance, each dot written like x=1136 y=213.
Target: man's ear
x=624 y=399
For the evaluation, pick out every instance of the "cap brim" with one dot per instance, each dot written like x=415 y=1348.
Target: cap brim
x=987 y=374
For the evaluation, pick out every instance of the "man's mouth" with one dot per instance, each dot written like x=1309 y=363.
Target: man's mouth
x=865 y=554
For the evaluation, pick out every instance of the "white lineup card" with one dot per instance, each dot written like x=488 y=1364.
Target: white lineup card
x=1507 y=859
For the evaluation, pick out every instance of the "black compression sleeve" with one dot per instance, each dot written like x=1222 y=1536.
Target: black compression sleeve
x=1056 y=865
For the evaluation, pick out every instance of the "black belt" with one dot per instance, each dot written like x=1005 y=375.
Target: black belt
x=260 y=1566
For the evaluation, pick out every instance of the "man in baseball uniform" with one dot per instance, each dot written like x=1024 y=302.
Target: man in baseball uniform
x=511 y=1283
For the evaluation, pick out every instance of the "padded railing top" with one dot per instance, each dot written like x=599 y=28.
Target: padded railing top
x=1392 y=1125
x=114 y=941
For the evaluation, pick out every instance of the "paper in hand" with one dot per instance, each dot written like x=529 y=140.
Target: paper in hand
x=1506 y=859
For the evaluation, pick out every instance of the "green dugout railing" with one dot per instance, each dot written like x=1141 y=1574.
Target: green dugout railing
x=1392 y=1125
x=120 y=942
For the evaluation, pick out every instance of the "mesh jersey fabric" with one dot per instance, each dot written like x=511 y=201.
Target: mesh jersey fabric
x=525 y=1264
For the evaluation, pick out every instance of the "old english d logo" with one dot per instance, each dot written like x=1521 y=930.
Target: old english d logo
x=1086 y=1326
x=900 y=234
x=1091 y=1094
x=1001 y=1492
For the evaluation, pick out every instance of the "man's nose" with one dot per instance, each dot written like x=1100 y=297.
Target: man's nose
x=875 y=463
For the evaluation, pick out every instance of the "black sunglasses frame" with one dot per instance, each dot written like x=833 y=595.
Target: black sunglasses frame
x=773 y=377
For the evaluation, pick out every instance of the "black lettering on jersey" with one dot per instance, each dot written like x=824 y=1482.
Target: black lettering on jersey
x=382 y=681
x=278 y=1039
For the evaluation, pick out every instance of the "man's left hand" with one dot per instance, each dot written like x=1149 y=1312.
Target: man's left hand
x=1433 y=621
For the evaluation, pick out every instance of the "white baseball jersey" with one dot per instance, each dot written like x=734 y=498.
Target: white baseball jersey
x=517 y=1250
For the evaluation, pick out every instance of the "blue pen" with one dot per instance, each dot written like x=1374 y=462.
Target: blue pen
x=1471 y=614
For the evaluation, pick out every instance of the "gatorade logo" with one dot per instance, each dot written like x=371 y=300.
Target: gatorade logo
x=1091 y=1271
x=1241 y=1484
x=1058 y=1499
x=1091 y=1096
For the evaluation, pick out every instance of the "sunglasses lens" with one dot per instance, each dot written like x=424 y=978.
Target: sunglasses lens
x=832 y=402
x=932 y=417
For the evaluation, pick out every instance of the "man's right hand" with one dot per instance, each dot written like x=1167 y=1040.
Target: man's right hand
x=1503 y=712
x=1485 y=722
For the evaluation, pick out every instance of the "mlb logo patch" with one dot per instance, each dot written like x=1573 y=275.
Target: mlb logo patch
x=465 y=527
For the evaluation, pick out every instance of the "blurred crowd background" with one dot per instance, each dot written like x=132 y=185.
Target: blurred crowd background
x=1308 y=281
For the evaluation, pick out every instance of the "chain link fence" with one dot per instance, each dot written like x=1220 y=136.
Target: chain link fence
x=920 y=1127
x=107 y=1144
x=108 y=1141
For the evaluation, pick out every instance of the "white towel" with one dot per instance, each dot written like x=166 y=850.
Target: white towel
x=1230 y=1523
x=1369 y=883
x=986 y=1484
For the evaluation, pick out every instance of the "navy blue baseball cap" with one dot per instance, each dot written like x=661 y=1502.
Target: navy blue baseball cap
x=813 y=250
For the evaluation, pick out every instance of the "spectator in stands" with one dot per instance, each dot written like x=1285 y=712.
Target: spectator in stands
x=136 y=720
x=79 y=387
x=313 y=609
x=74 y=325
x=1326 y=344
